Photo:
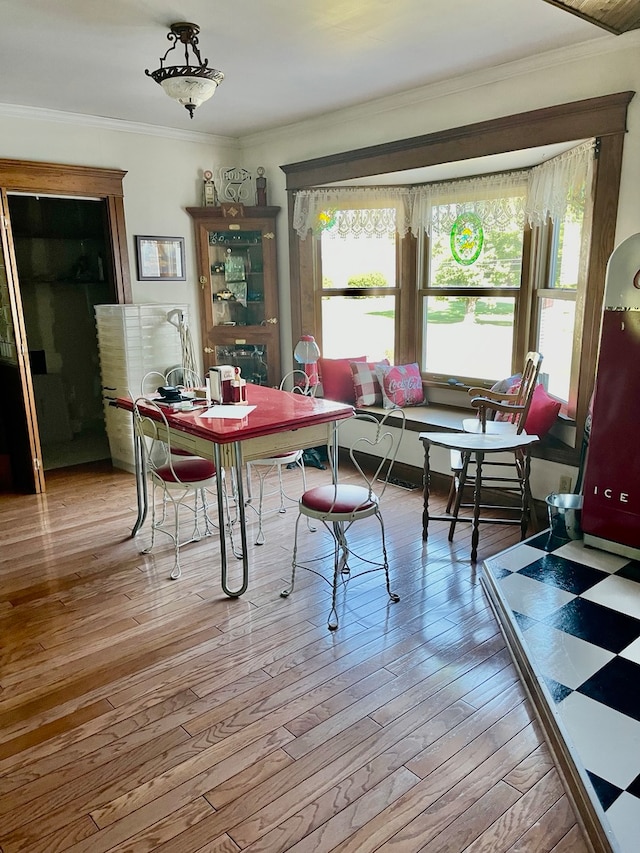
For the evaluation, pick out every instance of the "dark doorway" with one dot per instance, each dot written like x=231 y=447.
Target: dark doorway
x=63 y=271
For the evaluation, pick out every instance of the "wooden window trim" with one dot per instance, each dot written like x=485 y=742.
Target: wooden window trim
x=603 y=117
x=592 y=117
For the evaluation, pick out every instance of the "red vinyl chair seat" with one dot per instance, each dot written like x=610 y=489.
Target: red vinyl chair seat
x=338 y=506
x=341 y=500
x=191 y=469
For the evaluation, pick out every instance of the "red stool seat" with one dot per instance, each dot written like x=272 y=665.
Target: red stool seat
x=343 y=499
x=187 y=470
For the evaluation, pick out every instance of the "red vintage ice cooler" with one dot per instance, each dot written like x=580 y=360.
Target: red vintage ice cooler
x=611 y=508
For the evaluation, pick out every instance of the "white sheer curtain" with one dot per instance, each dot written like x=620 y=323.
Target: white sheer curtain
x=560 y=181
x=530 y=195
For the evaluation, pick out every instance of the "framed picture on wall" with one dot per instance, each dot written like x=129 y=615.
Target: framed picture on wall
x=160 y=258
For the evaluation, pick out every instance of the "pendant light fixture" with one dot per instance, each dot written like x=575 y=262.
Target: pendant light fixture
x=189 y=84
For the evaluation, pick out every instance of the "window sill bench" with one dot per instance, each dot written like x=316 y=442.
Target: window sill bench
x=438 y=418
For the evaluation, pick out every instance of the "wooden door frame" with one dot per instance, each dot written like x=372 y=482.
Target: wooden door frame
x=55 y=179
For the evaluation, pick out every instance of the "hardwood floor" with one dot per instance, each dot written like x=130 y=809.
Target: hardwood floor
x=143 y=714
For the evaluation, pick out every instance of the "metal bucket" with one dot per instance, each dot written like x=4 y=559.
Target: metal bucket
x=565 y=515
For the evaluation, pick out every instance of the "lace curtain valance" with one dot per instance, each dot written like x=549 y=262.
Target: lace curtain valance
x=374 y=211
x=498 y=201
x=530 y=195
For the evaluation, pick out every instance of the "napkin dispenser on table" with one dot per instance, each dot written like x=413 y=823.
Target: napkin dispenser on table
x=220 y=379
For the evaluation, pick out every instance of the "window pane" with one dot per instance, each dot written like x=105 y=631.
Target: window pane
x=469 y=336
x=555 y=341
x=358 y=261
x=360 y=325
x=565 y=261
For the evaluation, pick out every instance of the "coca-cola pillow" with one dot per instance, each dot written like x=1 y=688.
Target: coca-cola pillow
x=401 y=385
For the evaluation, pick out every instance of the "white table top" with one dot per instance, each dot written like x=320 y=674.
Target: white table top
x=482 y=442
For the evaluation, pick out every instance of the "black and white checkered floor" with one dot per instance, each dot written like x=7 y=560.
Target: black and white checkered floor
x=578 y=613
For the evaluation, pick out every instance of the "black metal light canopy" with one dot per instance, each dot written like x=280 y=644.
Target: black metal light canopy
x=188 y=83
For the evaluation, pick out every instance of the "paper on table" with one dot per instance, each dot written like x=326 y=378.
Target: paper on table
x=231 y=412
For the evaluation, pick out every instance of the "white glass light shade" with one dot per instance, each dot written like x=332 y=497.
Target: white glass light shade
x=189 y=90
x=187 y=83
x=306 y=351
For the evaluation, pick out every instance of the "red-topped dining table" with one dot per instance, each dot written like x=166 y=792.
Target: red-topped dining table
x=281 y=422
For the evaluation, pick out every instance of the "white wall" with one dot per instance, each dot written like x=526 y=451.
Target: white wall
x=164 y=176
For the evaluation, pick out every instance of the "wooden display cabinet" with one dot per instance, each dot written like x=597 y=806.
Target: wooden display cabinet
x=238 y=278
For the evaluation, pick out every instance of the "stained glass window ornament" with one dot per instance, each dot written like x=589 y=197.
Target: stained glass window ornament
x=467 y=238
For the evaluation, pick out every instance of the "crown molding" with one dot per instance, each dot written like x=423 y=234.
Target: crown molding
x=101 y=123
x=601 y=46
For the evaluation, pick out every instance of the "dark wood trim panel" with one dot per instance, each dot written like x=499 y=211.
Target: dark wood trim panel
x=68 y=180
x=584 y=119
x=296 y=264
x=306 y=309
x=248 y=212
x=524 y=303
x=19 y=419
x=606 y=192
x=119 y=249
x=31 y=176
x=408 y=305
x=616 y=18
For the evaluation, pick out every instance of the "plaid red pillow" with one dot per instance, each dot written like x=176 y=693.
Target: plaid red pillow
x=512 y=388
x=365 y=382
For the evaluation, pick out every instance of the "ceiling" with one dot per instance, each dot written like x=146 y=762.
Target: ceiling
x=283 y=60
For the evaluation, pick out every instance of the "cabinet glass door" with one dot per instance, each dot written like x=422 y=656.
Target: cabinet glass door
x=252 y=359
x=237 y=278
x=237 y=270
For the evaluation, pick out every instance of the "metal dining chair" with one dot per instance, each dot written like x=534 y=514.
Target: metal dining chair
x=175 y=479
x=296 y=382
x=184 y=378
x=338 y=506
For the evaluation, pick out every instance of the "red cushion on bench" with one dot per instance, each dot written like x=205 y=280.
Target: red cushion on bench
x=337 y=379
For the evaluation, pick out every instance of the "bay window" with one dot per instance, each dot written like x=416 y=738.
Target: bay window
x=475 y=312
x=555 y=306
